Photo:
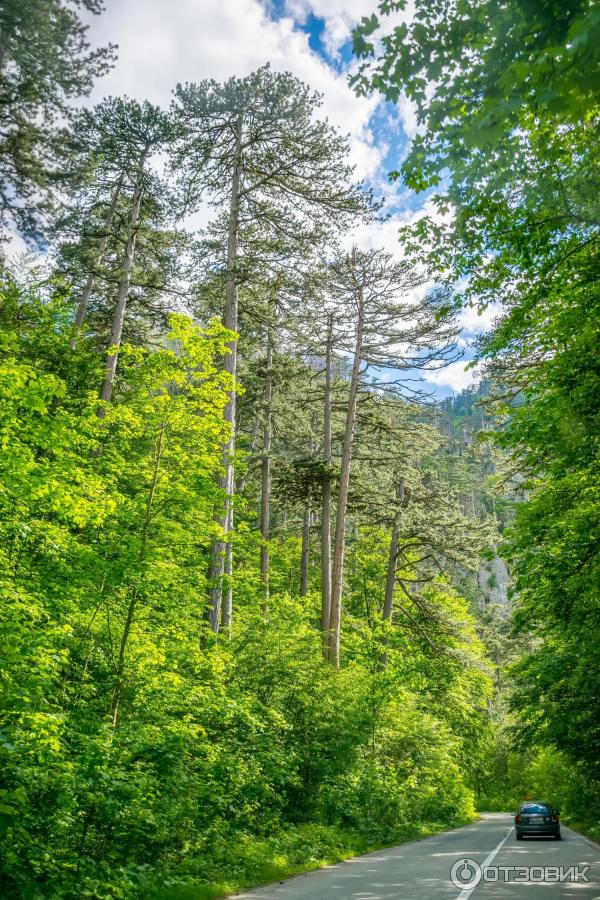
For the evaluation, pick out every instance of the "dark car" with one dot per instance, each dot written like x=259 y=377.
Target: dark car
x=535 y=818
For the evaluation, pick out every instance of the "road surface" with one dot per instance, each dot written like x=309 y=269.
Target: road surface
x=421 y=870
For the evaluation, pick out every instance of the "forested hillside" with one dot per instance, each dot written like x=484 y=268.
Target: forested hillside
x=266 y=600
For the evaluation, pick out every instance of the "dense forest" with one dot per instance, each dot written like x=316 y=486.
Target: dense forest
x=266 y=601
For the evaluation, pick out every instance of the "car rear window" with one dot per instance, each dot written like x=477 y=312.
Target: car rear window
x=535 y=808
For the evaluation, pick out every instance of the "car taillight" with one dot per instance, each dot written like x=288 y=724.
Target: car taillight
x=555 y=818
x=517 y=819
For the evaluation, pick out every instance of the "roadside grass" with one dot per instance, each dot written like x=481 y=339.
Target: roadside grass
x=252 y=862
x=590 y=830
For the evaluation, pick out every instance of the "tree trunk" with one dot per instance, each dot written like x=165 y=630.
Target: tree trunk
x=220 y=545
x=337 y=573
x=227 y=605
x=91 y=280
x=227 y=611
x=306 y=526
x=326 y=498
x=119 y=314
x=265 y=492
x=2 y=56
x=119 y=675
x=242 y=482
x=118 y=683
x=390 y=582
x=304 y=556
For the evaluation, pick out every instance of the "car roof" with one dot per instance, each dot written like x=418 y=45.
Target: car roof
x=535 y=803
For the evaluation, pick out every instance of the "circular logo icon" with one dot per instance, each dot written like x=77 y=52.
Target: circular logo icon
x=465 y=874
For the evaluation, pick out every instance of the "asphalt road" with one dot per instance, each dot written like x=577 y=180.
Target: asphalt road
x=421 y=870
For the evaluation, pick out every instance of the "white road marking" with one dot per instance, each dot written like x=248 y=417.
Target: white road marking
x=464 y=895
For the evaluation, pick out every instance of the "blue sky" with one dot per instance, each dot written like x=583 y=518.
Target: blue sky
x=385 y=123
x=389 y=131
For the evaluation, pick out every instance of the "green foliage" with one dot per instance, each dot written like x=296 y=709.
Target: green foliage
x=516 y=60
x=39 y=75
x=511 y=120
x=111 y=156
x=293 y=166
x=144 y=753
x=88 y=525
x=553 y=439
x=133 y=757
x=547 y=774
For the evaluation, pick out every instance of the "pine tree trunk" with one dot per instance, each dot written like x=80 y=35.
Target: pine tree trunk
x=227 y=604
x=337 y=572
x=306 y=526
x=219 y=548
x=242 y=482
x=227 y=610
x=265 y=492
x=326 y=497
x=304 y=555
x=119 y=314
x=91 y=280
x=390 y=582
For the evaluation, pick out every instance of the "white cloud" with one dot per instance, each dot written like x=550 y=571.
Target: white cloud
x=161 y=44
x=383 y=235
x=455 y=375
x=479 y=321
